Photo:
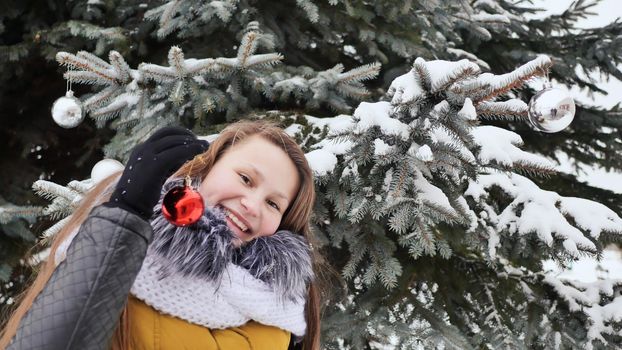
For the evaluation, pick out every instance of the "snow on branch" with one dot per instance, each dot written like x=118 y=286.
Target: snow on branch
x=600 y=301
x=323 y=155
x=158 y=73
x=488 y=86
x=179 y=68
x=501 y=147
x=468 y=111
x=64 y=200
x=513 y=109
x=118 y=104
x=495 y=7
x=484 y=17
x=439 y=134
x=585 y=213
x=405 y=89
x=545 y=214
x=435 y=197
x=443 y=74
x=378 y=114
x=51 y=190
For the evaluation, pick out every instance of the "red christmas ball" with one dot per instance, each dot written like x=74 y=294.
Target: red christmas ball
x=182 y=206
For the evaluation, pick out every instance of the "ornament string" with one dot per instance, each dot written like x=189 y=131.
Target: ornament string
x=68 y=111
x=69 y=91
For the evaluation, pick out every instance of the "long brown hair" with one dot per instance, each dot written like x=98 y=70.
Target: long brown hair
x=296 y=218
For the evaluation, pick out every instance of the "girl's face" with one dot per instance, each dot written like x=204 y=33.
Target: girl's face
x=254 y=182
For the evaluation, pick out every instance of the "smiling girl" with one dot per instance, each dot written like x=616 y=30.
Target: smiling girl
x=120 y=276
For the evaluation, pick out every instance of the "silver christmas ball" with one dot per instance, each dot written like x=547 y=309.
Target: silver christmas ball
x=551 y=110
x=67 y=111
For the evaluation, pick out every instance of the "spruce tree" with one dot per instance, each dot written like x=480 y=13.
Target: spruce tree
x=436 y=203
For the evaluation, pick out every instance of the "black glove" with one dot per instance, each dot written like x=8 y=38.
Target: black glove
x=150 y=164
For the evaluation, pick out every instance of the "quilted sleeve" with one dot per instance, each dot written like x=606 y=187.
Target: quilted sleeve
x=80 y=305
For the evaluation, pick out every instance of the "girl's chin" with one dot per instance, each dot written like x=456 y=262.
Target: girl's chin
x=241 y=236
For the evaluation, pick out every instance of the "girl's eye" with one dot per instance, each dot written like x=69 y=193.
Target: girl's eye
x=274 y=205
x=245 y=178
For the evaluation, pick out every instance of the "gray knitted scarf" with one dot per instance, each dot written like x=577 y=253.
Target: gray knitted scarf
x=203 y=250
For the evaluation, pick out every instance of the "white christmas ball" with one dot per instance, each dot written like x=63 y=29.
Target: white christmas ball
x=67 y=111
x=551 y=110
x=104 y=168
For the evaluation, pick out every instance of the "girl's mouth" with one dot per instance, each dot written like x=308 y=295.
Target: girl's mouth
x=235 y=221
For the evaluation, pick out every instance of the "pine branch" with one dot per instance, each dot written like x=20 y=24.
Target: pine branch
x=513 y=110
x=167 y=11
x=81 y=187
x=11 y=212
x=401 y=219
x=356 y=92
x=531 y=168
x=93 y=59
x=51 y=190
x=195 y=67
x=310 y=9
x=101 y=97
x=422 y=75
x=365 y=72
x=115 y=107
x=120 y=66
x=263 y=60
x=14 y=53
x=501 y=84
x=53 y=230
x=248 y=46
x=158 y=73
x=94 y=78
x=358 y=250
x=451 y=334
x=176 y=62
x=464 y=70
x=89 y=71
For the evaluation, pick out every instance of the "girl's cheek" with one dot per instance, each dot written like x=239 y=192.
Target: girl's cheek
x=275 y=225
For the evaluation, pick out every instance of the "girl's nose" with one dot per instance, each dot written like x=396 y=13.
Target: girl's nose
x=250 y=205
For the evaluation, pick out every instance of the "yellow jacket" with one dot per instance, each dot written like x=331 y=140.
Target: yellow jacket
x=151 y=330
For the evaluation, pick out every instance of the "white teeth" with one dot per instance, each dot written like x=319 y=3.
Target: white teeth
x=236 y=220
